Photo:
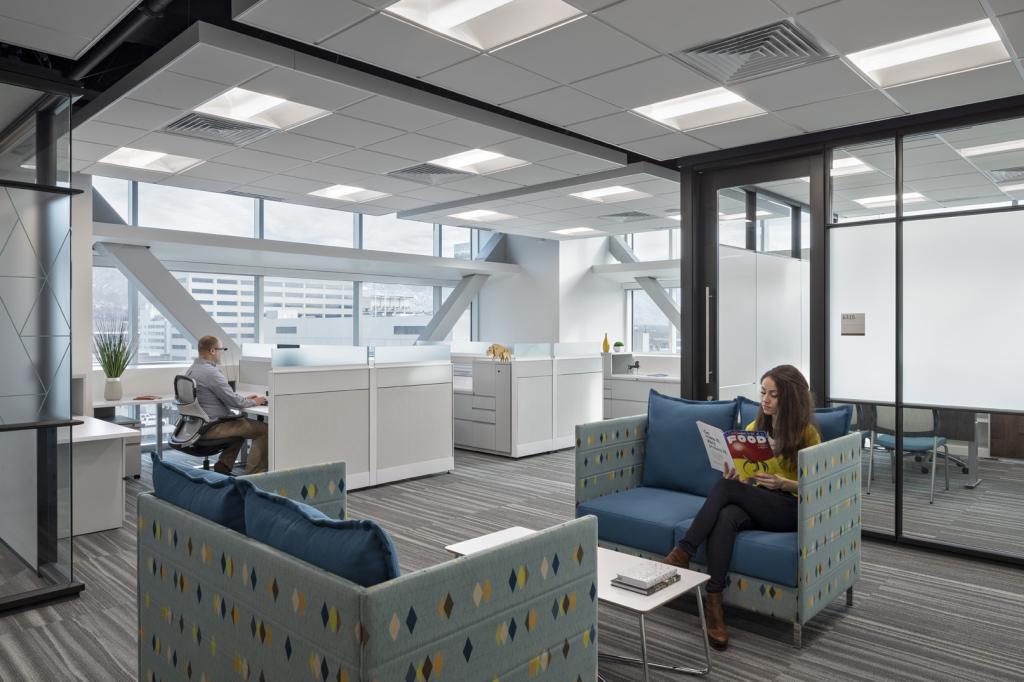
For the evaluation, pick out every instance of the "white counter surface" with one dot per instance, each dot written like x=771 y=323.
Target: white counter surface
x=92 y=429
x=644 y=377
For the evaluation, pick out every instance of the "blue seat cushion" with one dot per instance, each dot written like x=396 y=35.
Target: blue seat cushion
x=910 y=443
x=772 y=557
x=644 y=518
x=748 y=410
x=675 y=457
x=204 y=493
x=359 y=551
x=833 y=422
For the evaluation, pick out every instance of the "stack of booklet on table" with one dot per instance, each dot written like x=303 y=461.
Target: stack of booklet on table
x=647 y=579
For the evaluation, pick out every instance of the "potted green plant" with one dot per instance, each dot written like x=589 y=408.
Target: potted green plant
x=618 y=346
x=115 y=348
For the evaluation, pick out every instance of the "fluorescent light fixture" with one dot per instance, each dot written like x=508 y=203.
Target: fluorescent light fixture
x=479 y=161
x=848 y=166
x=701 y=109
x=481 y=216
x=941 y=53
x=742 y=216
x=485 y=24
x=147 y=160
x=1016 y=187
x=994 y=148
x=257 y=108
x=611 y=195
x=348 y=193
x=890 y=200
x=576 y=230
x=674 y=216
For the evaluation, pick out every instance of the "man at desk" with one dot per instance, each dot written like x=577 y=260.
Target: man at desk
x=218 y=399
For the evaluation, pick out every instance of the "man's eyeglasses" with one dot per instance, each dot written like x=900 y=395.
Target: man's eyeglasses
x=219 y=348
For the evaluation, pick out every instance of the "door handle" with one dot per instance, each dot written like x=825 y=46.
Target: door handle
x=707 y=335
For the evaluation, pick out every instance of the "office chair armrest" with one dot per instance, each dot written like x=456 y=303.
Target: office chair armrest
x=321 y=486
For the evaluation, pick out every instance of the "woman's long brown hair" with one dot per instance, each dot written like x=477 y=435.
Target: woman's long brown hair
x=794 y=413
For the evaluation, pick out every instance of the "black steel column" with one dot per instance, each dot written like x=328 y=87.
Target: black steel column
x=795 y=232
x=751 y=219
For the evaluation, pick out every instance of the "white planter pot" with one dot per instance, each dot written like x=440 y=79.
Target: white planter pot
x=112 y=389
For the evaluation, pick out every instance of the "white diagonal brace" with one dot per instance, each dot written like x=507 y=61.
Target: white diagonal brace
x=620 y=250
x=494 y=250
x=661 y=299
x=444 y=320
x=166 y=293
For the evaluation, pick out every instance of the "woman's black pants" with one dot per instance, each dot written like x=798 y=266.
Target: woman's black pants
x=733 y=506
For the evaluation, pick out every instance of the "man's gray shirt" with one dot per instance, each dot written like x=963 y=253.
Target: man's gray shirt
x=213 y=391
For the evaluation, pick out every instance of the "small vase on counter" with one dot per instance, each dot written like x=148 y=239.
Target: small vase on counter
x=112 y=388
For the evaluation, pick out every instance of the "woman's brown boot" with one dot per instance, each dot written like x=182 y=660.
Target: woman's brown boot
x=678 y=558
x=718 y=636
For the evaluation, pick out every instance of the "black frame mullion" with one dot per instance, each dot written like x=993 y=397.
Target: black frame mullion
x=750 y=222
x=898 y=496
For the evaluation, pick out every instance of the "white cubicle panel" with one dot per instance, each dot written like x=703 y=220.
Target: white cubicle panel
x=413 y=421
x=533 y=406
x=321 y=415
x=579 y=385
x=319 y=356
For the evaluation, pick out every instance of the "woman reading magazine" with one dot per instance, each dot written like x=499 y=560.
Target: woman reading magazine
x=770 y=504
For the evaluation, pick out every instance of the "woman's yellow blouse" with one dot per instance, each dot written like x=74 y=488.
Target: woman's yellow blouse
x=775 y=465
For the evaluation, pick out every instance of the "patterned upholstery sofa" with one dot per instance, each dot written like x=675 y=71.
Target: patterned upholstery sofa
x=790 y=576
x=216 y=605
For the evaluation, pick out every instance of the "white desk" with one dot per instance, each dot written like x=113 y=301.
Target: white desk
x=97 y=467
x=126 y=402
x=258 y=411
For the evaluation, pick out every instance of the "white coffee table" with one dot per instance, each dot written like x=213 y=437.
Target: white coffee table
x=610 y=564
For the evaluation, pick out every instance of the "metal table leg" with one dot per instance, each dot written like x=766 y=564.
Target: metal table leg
x=972 y=462
x=647 y=665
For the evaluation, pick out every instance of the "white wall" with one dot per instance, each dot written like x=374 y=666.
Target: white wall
x=589 y=306
x=523 y=308
x=149 y=379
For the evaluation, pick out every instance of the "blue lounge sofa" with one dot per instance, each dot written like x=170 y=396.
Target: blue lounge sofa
x=645 y=478
x=214 y=604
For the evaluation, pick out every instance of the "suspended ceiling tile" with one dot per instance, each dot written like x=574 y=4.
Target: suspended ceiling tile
x=938 y=170
x=436 y=195
x=386 y=42
x=124 y=173
x=561 y=106
x=671 y=146
x=345 y=130
x=972 y=192
x=287 y=183
x=926 y=185
x=106 y=133
x=136 y=114
x=265 y=192
x=1006 y=6
x=852 y=25
x=591 y=5
x=177 y=91
x=390 y=112
x=298 y=146
x=578 y=164
x=388 y=185
x=979 y=85
x=188 y=182
x=814 y=83
x=797 y=6
x=217 y=65
x=618 y=128
x=575 y=51
x=528 y=149
x=304 y=88
x=532 y=174
x=260 y=161
x=400 y=203
x=844 y=111
x=1013 y=27
x=417 y=147
x=226 y=173
x=747 y=131
x=308 y=21
x=655 y=80
x=61 y=27
x=490 y=80
x=329 y=175
x=181 y=145
x=369 y=162
x=469 y=133
x=481 y=185
x=90 y=151
x=671 y=25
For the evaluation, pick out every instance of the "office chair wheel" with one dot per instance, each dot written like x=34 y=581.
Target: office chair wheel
x=917 y=458
x=965 y=470
x=924 y=470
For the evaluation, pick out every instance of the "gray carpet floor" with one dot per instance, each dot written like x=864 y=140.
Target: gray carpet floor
x=917 y=615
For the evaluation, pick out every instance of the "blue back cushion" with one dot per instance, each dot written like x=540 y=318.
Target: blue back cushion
x=675 y=457
x=748 y=410
x=204 y=493
x=359 y=551
x=833 y=422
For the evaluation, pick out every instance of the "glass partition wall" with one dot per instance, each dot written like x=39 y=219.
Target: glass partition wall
x=924 y=236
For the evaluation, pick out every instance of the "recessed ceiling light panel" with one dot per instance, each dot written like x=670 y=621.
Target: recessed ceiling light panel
x=1016 y=187
x=701 y=109
x=348 y=193
x=239 y=104
x=481 y=216
x=941 y=53
x=479 y=161
x=147 y=160
x=576 y=231
x=994 y=148
x=485 y=24
x=611 y=195
x=742 y=216
x=890 y=200
x=848 y=166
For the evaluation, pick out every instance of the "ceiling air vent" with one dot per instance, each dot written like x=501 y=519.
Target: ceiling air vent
x=1007 y=174
x=429 y=173
x=629 y=216
x=218 y=129
x=763 y=51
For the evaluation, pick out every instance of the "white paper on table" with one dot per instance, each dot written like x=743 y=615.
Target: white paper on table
x=717 y=449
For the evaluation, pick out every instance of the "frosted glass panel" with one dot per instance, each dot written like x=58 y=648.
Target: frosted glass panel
x=577 y=349
x=319 y=356
x=962 y=287
x=737 y=321
x=532 y=350
x=862 y=279
x=393 y=354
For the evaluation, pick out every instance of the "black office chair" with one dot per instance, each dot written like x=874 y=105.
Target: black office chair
x=193 y=423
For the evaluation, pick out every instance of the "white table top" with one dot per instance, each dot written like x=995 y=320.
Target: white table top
x=257 y=410
x=474 y=545
x=92 y=429
x=131 y=401
x=611 y=563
